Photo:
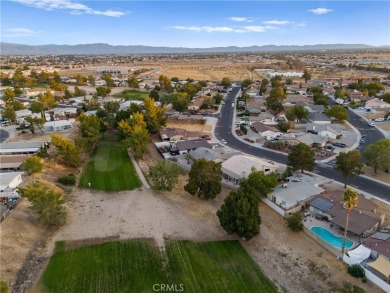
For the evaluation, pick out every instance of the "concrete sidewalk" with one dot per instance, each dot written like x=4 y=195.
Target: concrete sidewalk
x=138 y=170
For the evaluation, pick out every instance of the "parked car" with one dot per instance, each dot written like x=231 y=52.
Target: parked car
x=205 y=137
x=363 y=136
x=371 y=124
x=339 y=144
x=358 y=116
x=380 y=119
x=362 y=141
x=329 y=147
x=223 y=141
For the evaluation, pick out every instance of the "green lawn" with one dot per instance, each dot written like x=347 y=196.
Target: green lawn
x=218 y=266
x=109 y=168
x=136 y=265
x=132 y=95
x=124 y=266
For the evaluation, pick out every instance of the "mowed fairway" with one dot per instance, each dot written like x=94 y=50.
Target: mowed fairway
x=124 y=266
x=136 y=265
x=218 y=266
x=109 y=168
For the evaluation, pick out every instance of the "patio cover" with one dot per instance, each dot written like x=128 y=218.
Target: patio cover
x=382 y=265
x=359 y=254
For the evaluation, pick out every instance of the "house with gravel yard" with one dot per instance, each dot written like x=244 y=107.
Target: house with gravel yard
x=330 y=131
x=240 y=166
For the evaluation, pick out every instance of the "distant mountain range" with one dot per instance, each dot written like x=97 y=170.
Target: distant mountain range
x=101 y=48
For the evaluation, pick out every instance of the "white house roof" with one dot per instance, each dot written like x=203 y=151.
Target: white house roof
x=16 y=147
x=7 y=178
x=240 y=166
x=57 y=123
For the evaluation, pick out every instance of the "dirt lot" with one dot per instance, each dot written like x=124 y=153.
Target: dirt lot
x=206 y=71
x=382 y=176
x=19 y=233
x=189 y=126
x=39 y=136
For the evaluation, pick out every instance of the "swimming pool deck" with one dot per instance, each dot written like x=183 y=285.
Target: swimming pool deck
x=313 y=222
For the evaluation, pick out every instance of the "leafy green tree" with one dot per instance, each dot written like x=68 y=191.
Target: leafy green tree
x=258 y=184
x=103 y=91
x=91 y=80
x=294 y=222
x=240 y=214
x=181 y=102
x=386 y=97
x=79 y=92
x=35 y=122
x=226 y=82
x=37 y=107
x=9 y=113
x=204 y=179
x=133 y=82
x=301 y=112
x=46 y=202
x=218 y=98
x=290 y=114
x=306 y=75
x=109 y=81
x=154 y=115
x=378 y=155
x=135 y=134
x=33 y=165
x=112 y=107
x=338 y=112
x=301 y=157
x=283 y=126
x=175 y=79
x=349 y=164
x=263 y=87
x=68 y=153
x=165 y=174
x=47 y=101
x=67 y=94
x=246 y=82
x=289 y=81
x=340 y=94
x=276 y=81
x=154 y=94
x=4 y=288
x=8 y=96
x=356 y=271
x=350 y=201
x=90 y=127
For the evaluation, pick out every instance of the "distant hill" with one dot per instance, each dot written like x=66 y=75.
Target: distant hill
x=100 y=48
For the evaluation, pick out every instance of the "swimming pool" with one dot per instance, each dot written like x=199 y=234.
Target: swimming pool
x=332 y=239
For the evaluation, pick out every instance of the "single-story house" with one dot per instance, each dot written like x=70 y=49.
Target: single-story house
x=298 y=189
x=23 y=113
x=9 y=182
x=202 y=153
x=175 y=134
x=22 y=147
x=318 y=118
x=240 y=166
x=125 y=105
x=324 y=130
x=379 y=243
x=185 y=146
x=60 y=125
x=12 y=162
x=377 y=103
x=37 y=91
x=363 y=221
x=288 y=139
x=264 y=130
x=315 y=108
x=311 y=140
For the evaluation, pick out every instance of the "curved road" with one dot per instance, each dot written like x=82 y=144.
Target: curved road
x=223 y=130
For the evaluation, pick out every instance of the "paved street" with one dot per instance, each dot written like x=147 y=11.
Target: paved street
x=224 y=130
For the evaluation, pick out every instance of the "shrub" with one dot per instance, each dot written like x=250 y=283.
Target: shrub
x=243 y=129
x=364 y=280
x=4 y=287
x=356 y=271
x=295 y=222
x=68 y=180
x=283 y=126
x=42 y=153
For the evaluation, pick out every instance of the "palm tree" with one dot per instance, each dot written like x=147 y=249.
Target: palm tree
x=350 y=201
x=188 y=157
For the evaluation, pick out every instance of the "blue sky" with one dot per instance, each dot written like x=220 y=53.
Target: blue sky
x=195 y=23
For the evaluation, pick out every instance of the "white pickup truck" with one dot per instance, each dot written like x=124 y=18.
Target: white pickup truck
x=233 y=105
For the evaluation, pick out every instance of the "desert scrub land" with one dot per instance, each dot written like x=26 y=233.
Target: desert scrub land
x=109 y=167
x=136 y=265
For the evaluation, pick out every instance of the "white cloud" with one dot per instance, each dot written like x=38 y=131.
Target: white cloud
x=74 y=7
x=321 y=10
x=19 y=32
x=240 y=19
x=301 y=24
x=276 y=22
x=225 y=29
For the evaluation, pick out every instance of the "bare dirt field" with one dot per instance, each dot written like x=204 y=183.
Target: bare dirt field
x=189 y=126
x=382 y=176
x=76 y=71
x=206 y=71
x=39 y=136
x=19 y=233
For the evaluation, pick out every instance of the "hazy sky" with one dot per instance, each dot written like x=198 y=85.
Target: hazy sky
x=195 y=23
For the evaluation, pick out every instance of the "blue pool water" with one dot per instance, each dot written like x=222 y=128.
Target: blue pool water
x=332 y=239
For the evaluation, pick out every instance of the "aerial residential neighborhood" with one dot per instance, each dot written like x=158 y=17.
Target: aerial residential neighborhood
x=235 y=155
